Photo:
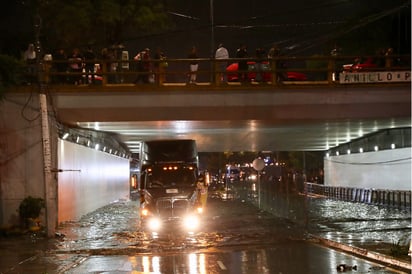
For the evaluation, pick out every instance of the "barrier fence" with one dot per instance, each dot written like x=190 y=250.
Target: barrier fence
x=382 y=197
x=299 y=70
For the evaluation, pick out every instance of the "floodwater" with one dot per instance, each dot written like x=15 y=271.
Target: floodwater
x=359 y=224
x=114 y=230
x=372 y=227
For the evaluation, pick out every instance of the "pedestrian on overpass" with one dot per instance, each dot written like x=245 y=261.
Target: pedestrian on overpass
x=241 y=53
x=221 y=55
x=193 y=66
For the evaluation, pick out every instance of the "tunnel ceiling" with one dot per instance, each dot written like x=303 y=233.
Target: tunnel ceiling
x=252 y=135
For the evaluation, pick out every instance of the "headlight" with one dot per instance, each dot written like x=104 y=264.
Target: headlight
x=145 y=212
x=191 y=222
x=154 y=224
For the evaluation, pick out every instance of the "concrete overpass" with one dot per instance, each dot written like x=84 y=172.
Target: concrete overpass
x=237 y=118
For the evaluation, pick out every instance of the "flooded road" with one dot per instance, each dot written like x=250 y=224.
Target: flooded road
x=236 y=237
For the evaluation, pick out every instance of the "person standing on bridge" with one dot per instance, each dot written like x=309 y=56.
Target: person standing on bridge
x=30 y=57
x=89 y=61
x=193 y=66
x=273 y=56
x=143 y=61
x=221 y=55
x=241 y=53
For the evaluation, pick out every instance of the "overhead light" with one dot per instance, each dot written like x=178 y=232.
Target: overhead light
x=65 y=136
x=348 y=151
x=361 y=150
x=376 y=148
x=97 y=146
x=393 y=146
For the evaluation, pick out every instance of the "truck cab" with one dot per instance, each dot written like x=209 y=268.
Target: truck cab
x=169 y=192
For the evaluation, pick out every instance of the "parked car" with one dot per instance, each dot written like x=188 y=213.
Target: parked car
x=359 y=65
x=233 y=173
x=222 y=192
x=232 y=73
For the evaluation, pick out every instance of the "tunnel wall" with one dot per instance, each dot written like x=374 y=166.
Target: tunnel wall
x=89 y=179
x=386 y=169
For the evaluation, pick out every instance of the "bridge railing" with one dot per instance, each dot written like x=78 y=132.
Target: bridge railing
x=382 y=197
x=313 y=70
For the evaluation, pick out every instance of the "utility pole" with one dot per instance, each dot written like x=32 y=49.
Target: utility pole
x=49 y=189
x=212 y=42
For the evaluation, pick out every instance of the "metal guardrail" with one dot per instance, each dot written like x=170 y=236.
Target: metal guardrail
x=318 y=69
x=382 y=197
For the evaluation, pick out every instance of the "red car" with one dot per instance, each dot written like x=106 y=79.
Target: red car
x=232 y=73
x=359 y=65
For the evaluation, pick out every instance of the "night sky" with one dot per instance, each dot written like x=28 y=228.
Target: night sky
x=299 y=27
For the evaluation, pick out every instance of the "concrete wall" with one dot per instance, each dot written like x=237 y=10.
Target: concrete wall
x=386 y=169
x=21 y=150
x=89 y=179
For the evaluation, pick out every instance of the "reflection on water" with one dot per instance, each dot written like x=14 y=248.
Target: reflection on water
x=346 y=222
x=295 y=257
x=357 y=222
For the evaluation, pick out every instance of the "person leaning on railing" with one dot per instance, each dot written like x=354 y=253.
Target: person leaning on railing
x=221 y=55
x=274 y=53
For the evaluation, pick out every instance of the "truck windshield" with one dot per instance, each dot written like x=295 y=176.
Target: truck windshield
x=171 y=178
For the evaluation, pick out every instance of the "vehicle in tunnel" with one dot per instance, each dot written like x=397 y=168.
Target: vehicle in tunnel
x=169 y=191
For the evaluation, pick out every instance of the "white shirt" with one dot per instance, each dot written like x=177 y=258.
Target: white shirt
x=222 y=53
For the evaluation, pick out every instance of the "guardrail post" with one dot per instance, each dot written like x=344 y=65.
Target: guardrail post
x=375 y=197
x=399 y=199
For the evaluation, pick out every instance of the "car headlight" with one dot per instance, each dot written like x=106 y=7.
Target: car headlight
x=154 y=224
x=252 y=177
x=191 y=222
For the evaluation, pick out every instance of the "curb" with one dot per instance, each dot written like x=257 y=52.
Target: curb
x=364 y=253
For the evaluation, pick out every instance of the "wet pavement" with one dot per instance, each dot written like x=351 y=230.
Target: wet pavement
x=114 y=230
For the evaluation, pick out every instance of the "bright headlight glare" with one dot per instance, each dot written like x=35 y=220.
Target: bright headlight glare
x=191 y=222
x=154 y=224
x=199 y=210
x=145 y=212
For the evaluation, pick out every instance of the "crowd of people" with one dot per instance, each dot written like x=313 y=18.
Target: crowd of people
x=85 y=66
